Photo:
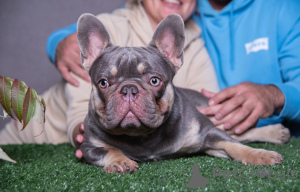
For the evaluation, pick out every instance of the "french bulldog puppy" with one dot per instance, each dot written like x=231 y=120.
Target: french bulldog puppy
x=135 y=112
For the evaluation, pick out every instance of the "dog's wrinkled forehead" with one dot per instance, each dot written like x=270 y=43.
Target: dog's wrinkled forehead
x=163 y=55
x=131 y=62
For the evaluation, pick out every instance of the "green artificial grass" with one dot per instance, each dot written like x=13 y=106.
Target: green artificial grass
x=55 y=168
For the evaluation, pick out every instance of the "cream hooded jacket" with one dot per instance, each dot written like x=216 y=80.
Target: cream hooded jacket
x=67 y=106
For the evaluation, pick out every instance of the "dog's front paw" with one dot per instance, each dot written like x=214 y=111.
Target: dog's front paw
x=262 y=157
x=121 y=166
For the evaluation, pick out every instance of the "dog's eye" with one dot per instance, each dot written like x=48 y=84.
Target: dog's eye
x=154 y=81
x=103 y=83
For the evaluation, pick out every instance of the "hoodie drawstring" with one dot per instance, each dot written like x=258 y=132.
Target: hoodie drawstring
x=232 y=44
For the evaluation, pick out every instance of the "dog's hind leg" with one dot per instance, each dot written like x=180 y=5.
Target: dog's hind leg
x=277 y=134
x=219 y=144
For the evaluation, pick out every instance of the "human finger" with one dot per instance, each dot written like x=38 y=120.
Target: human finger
x=81 y=128
x=79 y=154
x=67 y=75
x=222 y=95
x=221 y=123
x=79 y=139
x=251 y=121
x=74 y=64
x=207 y=93
x=209 y=110
x=229 y=106
x=79 y=71
x=216 y=122
x=240 y=115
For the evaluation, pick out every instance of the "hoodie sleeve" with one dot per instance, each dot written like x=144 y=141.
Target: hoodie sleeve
x=289 y=58
x=56 y=37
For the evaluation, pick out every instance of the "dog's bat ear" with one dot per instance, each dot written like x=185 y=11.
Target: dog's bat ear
x=93 y=38
x=169 y=39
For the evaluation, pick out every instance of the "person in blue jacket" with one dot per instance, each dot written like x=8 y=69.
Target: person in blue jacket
x=257 y=42
x=255 y=49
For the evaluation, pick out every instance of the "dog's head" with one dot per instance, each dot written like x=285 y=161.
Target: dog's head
x=132 y=91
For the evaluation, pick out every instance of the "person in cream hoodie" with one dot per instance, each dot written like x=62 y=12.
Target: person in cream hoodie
x=134 y=25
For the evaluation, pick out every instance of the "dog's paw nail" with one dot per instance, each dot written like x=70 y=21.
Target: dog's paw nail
x=107 y=170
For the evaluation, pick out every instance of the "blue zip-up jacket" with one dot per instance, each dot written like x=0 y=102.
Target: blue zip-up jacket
x=257 y=41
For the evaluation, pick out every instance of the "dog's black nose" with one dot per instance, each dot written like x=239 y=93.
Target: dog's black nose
x=129 y=89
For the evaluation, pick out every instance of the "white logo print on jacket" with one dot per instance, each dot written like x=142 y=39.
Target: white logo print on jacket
x=257 y=45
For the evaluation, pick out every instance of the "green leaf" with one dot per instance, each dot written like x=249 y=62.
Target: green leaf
x=28 y=106
x=5 y=94
x=18 y=92
x=23 y=101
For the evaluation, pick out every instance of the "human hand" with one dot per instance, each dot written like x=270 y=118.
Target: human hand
x=78 y=134
x=245 y=104
x=208 y=110
x=68 y=59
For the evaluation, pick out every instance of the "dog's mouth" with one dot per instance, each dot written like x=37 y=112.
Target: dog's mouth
x=131 y=125
x=130 y=120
